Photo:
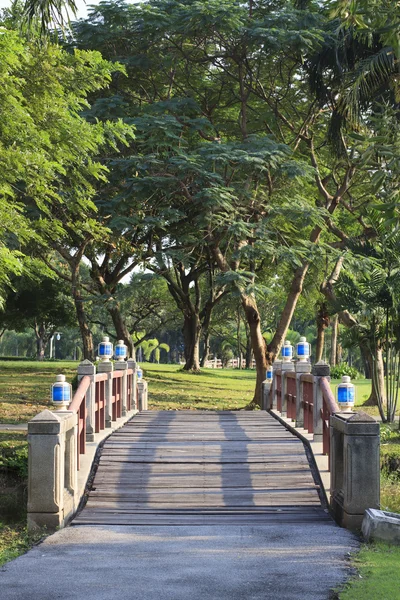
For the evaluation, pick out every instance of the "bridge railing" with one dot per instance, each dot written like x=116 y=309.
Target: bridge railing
x=59 y=460
x=349 y=439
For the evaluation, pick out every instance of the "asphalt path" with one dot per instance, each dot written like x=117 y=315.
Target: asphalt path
x=279 y=562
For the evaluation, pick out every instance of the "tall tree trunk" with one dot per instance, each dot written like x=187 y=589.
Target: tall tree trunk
x=120 y=327
x=239 y=345
x=322 y=324
x=258 y=343
x=248 y=349
x=86 y=334
x=206 y=351
x=334 y=338
x=378 y=392
x=41 y=341
x=191 y=335
x=295 y=290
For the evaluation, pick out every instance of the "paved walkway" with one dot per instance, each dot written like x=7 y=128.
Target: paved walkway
x=213 y=506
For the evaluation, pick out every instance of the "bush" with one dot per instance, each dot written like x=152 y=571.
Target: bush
x=17 y=358
x=338 y=371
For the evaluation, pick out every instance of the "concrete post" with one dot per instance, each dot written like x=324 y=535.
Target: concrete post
x=320 y=369
x=107 y=367
x=133 y=365
x=122 y=365
x=300 y=368
x=52 y=465
x=355 y=468
x=88 y=368
x=142 y=395
x=266 y=388
x=286 y=366
x=276 y=366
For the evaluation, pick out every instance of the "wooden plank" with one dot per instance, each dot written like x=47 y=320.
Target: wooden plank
x=199 y=467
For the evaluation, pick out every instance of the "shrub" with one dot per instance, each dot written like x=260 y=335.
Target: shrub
x=338 y=371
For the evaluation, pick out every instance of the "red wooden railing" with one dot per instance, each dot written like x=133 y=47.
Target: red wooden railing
x=308 y=402
x=116 y=396
x=78 y=403
x=291 y=395
x=129 y=396
x=278 y=391
x=329 y=407
x=100 y=402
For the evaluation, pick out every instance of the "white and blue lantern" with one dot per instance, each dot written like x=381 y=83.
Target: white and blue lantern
x=303 y=349
x=105 y=349
x=346 y=393
x=120 y=350
x=139 y=373
x=269 y=375
x=287 y=351
x=61 y=392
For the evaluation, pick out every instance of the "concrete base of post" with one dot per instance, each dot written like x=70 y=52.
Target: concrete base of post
x=142 y=395
x=266 y=395
x=302 y=367
x=52 y=481
x=107 y=367
x=381 y=526
x=122 y=365
x=86 y=368
x=355 y=467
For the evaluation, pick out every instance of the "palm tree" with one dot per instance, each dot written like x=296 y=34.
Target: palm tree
x=48 y=14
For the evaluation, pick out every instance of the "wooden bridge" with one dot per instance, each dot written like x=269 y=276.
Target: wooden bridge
x=198 y=467
x=203 y=468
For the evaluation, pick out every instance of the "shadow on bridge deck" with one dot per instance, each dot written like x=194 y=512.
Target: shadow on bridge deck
x=202 y=468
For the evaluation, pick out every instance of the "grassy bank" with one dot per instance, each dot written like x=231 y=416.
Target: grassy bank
x=377 y=574
x=25 y=387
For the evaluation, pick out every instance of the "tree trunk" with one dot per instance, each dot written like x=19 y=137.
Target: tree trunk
x=378 y=393
x=86 y=334
x=206 y=351
x=40 y=347
x=258 y=344
x=191 y=335
x=320 y=343
x=248 y=350
x=322 y=324
x=334 y=341
x=120 y=327
x=293 y=296
x=367 y=360
x=41 y=340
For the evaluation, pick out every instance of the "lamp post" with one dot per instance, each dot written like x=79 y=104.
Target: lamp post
x=61 y=393
x=346 y=394
x=105 y=349
x=303 y=350
x=57 y=335
x=120 y=350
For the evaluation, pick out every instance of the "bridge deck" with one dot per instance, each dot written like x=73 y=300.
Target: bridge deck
x=202 y=468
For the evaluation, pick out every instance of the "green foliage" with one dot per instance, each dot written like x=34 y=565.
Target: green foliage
x=338 y=371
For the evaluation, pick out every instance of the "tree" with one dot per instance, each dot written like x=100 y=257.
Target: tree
x=43 y=305
x=49 y=151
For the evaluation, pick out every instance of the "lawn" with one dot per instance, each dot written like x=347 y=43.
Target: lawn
x=25 y=387
x=170 y=388
x=377 y=574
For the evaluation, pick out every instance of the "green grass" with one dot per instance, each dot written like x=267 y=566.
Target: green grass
x=170 y=388
x=15 y=540
x=377 y=575
x=25 y=388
